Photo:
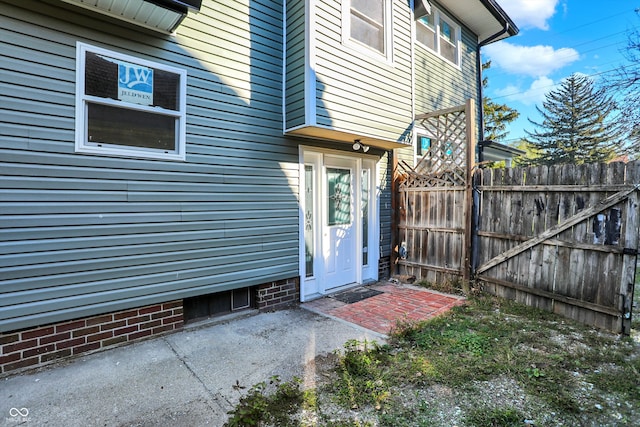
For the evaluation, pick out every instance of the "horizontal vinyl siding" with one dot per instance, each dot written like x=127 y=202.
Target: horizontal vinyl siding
x=357 y=92
x=295 y=64
x=440 y=85
x=384 y=182
x=82 y=234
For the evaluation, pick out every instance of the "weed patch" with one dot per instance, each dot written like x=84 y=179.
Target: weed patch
x=258 y=407
x=490 y=362
x=453 y=287
x=500 y=417
x=363 y=375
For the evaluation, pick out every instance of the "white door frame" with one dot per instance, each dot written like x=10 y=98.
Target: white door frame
x=315 y=285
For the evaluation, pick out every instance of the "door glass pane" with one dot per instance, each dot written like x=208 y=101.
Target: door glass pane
x=309 y=193
x=365 y=217
x=339 y=194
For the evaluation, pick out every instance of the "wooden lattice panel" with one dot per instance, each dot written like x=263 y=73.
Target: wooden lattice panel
x=445 y=161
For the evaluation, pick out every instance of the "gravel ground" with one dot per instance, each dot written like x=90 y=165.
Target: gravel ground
x=439 y=405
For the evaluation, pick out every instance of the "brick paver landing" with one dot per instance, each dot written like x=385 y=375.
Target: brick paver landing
x=380 y=313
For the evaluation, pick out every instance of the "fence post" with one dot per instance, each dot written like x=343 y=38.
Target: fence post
x=476 y=177
x=470 y=125
x=395 y=222
x=630 y=259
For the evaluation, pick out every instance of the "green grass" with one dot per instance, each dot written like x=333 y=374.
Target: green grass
x=500 y=417
x=550 y=366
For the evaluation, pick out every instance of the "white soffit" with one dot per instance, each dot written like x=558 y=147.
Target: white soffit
x=475 y=15
x=139 y=12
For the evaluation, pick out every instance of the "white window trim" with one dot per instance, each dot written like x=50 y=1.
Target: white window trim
x=418 y=132
x=81 y=141
x=361 y=47
x=439 y=15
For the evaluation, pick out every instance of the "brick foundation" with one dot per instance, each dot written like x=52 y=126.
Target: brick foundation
x=384 y=268
x=34 y=347
x=278 y=295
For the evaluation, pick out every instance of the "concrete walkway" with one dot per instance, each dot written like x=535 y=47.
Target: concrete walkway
x=188 y=378
x=183 y=379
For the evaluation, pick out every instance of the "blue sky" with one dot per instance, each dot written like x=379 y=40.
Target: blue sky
x=557 y=38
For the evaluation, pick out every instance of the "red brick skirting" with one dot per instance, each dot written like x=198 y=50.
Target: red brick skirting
x=278 y=295
x=35 y=347
x=29 y=348
x=384 y=268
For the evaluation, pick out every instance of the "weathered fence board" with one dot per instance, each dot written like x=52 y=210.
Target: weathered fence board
x=563 y=238
x=434 y=199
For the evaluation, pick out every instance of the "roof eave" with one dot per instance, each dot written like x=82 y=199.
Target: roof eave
x=485 y=18
x=502 y=17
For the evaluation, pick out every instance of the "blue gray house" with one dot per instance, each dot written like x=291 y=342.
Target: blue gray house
x=162 y=161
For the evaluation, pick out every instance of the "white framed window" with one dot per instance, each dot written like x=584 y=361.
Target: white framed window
x=423 y=144
x=127 y=106
x=440 y=34
x=433 y=152
x=366 y=26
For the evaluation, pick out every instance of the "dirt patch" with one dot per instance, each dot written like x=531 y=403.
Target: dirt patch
x=489 y=363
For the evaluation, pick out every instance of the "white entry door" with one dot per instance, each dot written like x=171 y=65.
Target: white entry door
x=339 y=233
x=339 y=225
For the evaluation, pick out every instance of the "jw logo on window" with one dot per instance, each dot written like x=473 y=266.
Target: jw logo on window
x=135 y=84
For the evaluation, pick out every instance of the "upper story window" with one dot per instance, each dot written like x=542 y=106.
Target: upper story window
x=440 y=34
x=423 y=144
x=127 y=106
x=368 y=24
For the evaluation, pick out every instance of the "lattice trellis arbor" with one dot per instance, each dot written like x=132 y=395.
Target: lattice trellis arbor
x=434 y=198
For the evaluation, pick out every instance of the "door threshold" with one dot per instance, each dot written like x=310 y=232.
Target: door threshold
x=339 y=289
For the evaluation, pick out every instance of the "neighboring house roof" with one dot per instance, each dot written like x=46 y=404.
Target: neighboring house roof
x=486 y=21
x=494 y=151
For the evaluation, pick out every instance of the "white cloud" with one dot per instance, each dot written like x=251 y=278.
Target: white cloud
x=533 y=61
x=530 y=13
x=534 y=95
x=537 y=91
x=509 y=92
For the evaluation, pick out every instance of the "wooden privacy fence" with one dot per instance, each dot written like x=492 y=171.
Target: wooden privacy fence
x=434 y=198
x=562 y=238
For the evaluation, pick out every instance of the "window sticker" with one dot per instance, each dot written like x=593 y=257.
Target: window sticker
x=135 y=83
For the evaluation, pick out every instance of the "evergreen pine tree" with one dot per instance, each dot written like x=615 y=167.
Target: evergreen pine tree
x=626 y=83
x=575 y=128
